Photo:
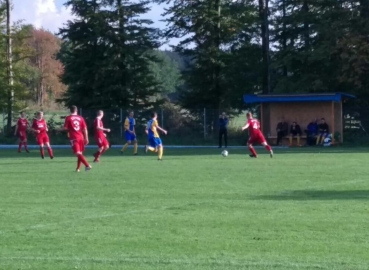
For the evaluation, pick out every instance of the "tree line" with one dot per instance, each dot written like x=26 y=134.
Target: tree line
x=109 y=55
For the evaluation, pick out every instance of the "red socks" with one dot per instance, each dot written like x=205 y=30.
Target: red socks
x=98 y=154
x=50 y=151
x=20 y=147
x=78 y=163
x=267 y=147
x=82 y=159
x=25 y=146
x=252 y=150
x=42 y=152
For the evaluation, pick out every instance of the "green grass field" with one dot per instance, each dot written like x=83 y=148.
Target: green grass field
x=195 y=210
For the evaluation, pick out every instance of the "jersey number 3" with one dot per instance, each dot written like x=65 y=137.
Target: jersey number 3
x=76 y=125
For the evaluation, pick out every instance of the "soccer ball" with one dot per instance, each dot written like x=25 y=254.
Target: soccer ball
x=225 y=153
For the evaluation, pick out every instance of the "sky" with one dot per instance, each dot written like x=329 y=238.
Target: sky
x=52 y=14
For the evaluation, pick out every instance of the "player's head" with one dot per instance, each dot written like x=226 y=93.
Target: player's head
x=294 y=123
x=131 y=114
x=249 y=115
x=40 y=115
x=223 y=114
x=23 y=114
x=100 y=113
x=154 y=115
x=322 y=121
x=73 y=109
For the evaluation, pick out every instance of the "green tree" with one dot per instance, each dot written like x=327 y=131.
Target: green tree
x=106 y=54
x=214 y=33
x=167 y=71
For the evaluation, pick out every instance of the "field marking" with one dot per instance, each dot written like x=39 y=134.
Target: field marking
x=219 y=262
x=40 y=226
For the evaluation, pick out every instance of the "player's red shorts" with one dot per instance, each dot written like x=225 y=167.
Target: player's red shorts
x=22 y=135
x=78 y=146
x=101 y=141
x=42 y=138
x=257 y=138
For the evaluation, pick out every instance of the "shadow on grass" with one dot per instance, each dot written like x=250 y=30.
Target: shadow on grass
x=307 y=195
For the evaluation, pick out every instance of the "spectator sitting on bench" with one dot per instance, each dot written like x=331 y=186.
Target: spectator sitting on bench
x=282 y=129
x=311 y=132
x=323 y=131
x=295 y=131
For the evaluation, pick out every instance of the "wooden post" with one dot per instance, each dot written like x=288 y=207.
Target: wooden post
x=332 y=130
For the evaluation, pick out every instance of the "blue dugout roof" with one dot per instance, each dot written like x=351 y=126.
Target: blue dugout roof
x=337 y=97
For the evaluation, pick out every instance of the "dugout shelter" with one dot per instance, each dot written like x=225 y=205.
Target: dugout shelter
x=302 y=108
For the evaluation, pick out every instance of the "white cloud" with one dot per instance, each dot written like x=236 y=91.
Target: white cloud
x=41 y=13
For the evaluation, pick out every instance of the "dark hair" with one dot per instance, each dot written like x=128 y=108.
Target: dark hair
x=153 y=114
x=73 y=109
x=322 y=119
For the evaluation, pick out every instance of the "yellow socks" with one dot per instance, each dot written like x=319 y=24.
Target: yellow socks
x=135 y=148
x=160 y=153
x=317 y=140
x=290 y=140
x=152 y=149
x=298 y=140
x=124 y=147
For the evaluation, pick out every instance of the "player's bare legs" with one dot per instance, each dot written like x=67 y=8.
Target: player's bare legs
x=160 y=152
x=124 y=148
x=49 y=150
x=252 y=150
x=151 y=149
x=268 y=148
x=99 y=152
x=135 y=147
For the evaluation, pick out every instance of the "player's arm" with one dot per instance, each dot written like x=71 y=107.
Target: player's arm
x=46 y=127
x=162 y=130
x=84 y=131
x=245 y=126
x=85 y=135
x=126 y=125
x=102 y=129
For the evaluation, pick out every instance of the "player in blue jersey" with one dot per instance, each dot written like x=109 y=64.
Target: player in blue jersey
x=155 y=142
x=130 y=133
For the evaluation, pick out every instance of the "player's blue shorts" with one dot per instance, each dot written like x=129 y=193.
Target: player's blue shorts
x=129 y=136
x=155 y=142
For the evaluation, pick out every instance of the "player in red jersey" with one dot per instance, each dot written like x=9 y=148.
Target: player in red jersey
x=255 y=135
x=39 y=126
x=100 y=136
x=21 y=131
x=78 y=135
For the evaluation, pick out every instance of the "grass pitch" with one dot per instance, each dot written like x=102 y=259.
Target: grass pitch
x=194 y=210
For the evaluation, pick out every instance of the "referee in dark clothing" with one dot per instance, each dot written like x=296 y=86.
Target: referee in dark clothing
x=223 y=129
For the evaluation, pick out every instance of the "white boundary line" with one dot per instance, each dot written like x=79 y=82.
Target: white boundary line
x=190 y=261
x=92 y=146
